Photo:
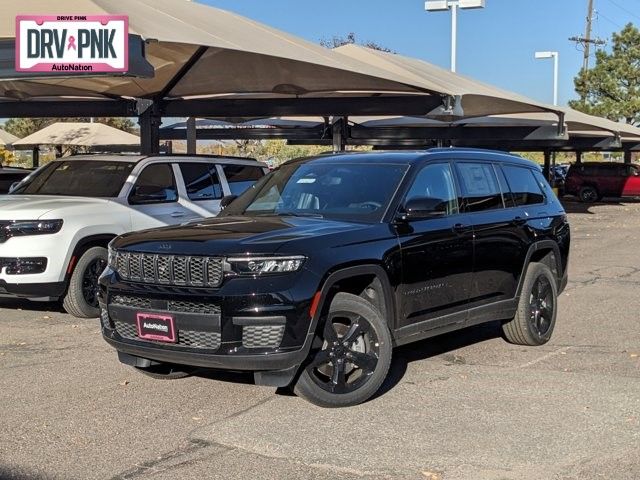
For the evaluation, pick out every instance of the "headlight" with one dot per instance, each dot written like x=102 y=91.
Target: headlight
x=18 y=228
x=262 y=265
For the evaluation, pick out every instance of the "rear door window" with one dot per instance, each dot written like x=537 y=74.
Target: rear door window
x=480 y=186
x=156 y=184
x=241 y=177
x=524 y=187
x=201 y=181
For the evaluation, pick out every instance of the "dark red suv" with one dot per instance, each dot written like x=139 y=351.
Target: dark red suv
x=592 y=181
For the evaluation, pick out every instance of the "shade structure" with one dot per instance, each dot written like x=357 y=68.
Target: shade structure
x=6 y=138
x=79 y=134
x=473 y=98
x=202 y=53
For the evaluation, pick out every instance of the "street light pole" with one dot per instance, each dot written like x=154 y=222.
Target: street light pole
x=454 y=35
x=554 y=55
x=453 y=5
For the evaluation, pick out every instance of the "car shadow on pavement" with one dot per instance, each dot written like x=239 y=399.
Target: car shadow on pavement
x=27 y=305
x=443 y=345
x=573 y=205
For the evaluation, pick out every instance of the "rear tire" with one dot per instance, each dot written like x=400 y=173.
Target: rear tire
x=165 y=371
x=537 y=308
x=354 y=359
x=589 y=194
x=81 y=299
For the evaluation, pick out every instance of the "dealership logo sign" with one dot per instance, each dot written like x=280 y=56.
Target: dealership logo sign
x=72 y=43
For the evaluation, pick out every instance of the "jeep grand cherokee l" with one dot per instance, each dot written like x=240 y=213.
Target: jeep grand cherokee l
x=313 y=275
x=56 y=224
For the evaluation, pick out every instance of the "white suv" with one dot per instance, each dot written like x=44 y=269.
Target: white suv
x=56 y=224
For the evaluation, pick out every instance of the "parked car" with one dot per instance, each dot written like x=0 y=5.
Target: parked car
x=56 y=224
x=312 y=276
x=9 y=176
x=592 y=181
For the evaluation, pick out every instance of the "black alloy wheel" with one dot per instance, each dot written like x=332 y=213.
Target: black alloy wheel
x=349 y=355
x=535 y=316
x=542 y=305
x=90 y=281
x=352 y=355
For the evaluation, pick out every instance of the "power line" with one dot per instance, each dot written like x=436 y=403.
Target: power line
x=623 y=9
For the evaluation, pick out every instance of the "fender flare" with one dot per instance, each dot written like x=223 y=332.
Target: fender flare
x=354 y=271
x=537 y=246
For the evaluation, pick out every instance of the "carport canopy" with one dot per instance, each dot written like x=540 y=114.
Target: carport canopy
x=210 y=62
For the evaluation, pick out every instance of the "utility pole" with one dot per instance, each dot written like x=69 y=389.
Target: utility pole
x=587 y=41
x=587 y=37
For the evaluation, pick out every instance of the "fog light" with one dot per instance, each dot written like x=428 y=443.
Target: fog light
x=23 y=266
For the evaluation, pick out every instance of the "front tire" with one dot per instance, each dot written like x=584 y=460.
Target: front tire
x=354 y=358
x=81 y=299
x=537 y=308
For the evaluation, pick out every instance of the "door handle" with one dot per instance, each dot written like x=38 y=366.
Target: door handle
x=519 y=221
x=177 y=214
x=460 y=228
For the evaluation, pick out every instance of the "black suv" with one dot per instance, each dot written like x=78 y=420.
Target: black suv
x=313 y=275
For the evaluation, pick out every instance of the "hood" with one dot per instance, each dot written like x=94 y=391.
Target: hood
x=239 y=235
x=34 y=207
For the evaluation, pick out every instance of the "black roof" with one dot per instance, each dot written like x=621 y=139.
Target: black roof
x=408 y=157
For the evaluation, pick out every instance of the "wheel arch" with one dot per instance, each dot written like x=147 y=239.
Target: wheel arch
x=357 y=280
x=85 y=243
x=547 y=252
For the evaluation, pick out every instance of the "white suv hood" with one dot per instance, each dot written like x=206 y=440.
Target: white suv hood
x=33 y=207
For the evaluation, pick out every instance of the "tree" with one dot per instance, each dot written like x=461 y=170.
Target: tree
x=21 y=127
x=612 y=88
x=350 y=38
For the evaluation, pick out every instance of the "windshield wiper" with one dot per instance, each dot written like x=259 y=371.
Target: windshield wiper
x=290 y=213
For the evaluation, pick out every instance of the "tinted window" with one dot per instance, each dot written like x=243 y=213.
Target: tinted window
x=480 y=187
x=201 y=181
x=435 y=181
x=156 y=184
x=524 y=187
x=82 y=178
x=342 y=190
x=241 y=177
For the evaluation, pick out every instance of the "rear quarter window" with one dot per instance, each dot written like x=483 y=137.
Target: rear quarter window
x=525 y=188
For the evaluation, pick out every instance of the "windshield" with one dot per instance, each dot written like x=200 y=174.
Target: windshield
x=81 y=178
x=346 y=191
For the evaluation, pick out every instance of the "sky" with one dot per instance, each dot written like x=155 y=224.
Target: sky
x=495 y=44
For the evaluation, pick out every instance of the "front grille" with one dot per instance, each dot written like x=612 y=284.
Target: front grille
x=134 y=302
x=177 y=270
x=256 y=336
x=177 y=306
x=185 y=338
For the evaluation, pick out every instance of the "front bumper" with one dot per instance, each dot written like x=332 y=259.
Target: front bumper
x=248 y=324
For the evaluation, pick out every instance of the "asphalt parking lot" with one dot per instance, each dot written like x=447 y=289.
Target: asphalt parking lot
x=462 y=406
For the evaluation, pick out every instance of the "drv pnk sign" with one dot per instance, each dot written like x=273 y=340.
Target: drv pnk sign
x=72 y=43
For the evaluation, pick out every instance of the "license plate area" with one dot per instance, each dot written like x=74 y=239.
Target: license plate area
x=156 y=327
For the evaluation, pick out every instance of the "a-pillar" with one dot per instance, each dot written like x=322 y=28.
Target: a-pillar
x=578 y=157
x=627 y=156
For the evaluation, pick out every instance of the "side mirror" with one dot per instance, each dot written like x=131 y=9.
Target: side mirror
x=421 y=208
x=226 y=200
